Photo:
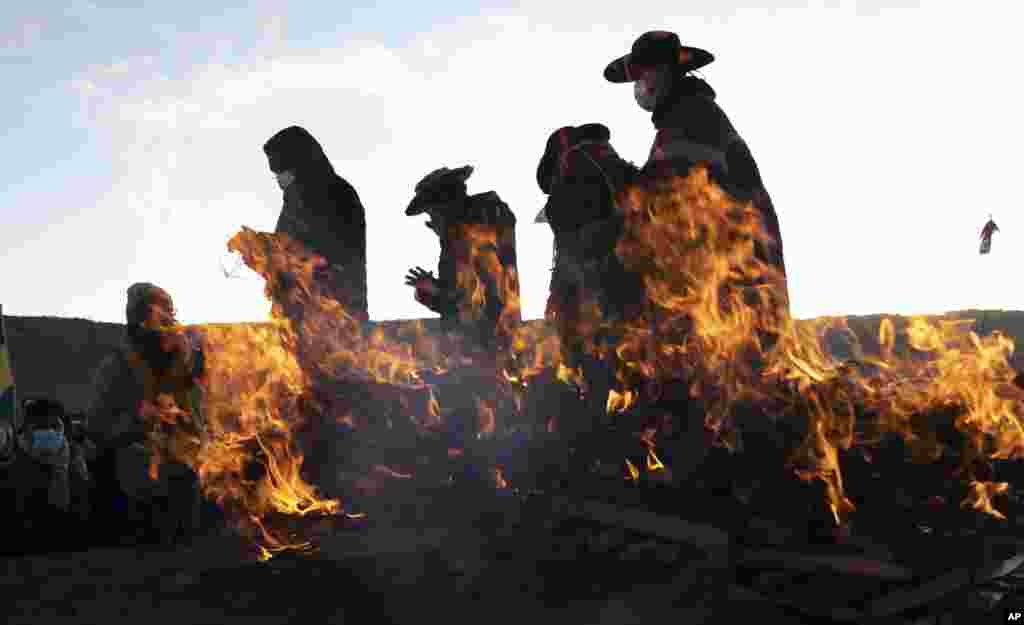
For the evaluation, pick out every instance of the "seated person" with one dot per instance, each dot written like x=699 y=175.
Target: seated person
x=40 y=470
x=147 y=414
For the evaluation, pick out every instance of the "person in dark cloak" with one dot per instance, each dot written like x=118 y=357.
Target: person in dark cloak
x=323 y=212
x=585 y=180
x=476 y=294
x=692 y=128
x=454 y=213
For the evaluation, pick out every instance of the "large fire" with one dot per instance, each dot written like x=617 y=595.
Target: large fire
x=715 y=321
x=255 y=402
x=714 y=330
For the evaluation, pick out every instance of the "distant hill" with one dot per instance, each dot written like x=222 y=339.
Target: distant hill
x=55 y=357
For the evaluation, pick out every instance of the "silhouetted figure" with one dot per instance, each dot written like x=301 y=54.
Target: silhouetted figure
x=323 y=212
x=476 y=290
x=986 y=236
x=691 y=127
x=585 y=180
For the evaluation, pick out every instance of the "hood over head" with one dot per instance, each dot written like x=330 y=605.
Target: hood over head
x=295 y=149
x=561 y=141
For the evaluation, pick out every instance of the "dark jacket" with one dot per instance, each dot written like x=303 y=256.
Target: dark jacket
x=479 y=236
x=584 y=195
x=691 y=128
x=583 y=215
x=323 y=212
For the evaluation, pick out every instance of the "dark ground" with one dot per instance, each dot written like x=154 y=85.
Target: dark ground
x=394 y=571
x=405 y=567
x=422 y=557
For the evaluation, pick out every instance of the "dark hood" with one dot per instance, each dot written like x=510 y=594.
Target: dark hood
x=294 y=148
x=561 y=140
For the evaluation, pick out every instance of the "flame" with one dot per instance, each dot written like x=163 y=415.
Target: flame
x=489 y=284
x=716 y=315
x=620 y=402
x=980 y=494
x=714 y=327
x=269 y=387
x=632 y=472
x=653 y=462
x=568 y=376
x=251 y=464
x=314 y=362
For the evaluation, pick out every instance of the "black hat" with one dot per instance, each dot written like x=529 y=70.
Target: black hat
x=42 y=407
x=438 y=188
x=42 y=412
x=560 y=141
x=657 y=47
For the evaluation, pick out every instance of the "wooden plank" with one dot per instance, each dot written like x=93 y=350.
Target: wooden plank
x=1002 y=557
x=849 y=565
x=998 y=562
x=843 y=613
x=903 y=600
x=638 y=520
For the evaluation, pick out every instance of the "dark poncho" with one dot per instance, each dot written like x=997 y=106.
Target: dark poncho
x=323 y=212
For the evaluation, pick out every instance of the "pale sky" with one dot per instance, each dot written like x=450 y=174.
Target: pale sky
x=886 y=132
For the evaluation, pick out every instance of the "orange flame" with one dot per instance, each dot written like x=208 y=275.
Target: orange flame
x=632 y=472
x=980 y=494
x=717 y=315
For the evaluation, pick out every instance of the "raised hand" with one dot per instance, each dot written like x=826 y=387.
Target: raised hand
x=417 y=276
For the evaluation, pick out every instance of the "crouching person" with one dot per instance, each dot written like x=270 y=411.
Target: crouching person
x=146 y=415
x=41 y=472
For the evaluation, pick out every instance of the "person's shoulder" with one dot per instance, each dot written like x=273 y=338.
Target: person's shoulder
x=113 y=365
x=488 y=207
x=343 y=186
x=343 y=194
x=110 y=381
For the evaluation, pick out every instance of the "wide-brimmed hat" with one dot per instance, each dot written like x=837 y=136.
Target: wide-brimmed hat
x=657 y=47
x=438 y=188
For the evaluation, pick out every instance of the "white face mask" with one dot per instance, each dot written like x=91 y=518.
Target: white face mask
x=284 y=179
x=650 y=90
